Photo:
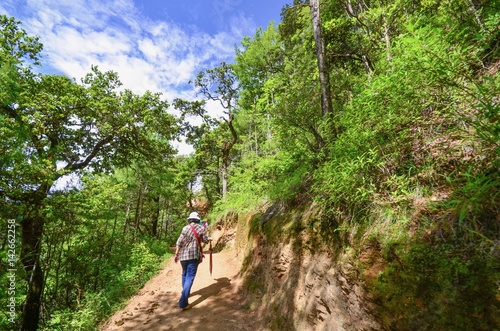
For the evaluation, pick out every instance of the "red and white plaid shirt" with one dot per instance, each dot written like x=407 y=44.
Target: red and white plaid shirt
x=188 y=244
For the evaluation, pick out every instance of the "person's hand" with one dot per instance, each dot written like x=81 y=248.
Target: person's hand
x=176 y=259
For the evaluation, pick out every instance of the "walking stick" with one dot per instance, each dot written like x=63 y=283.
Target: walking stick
x=210 y=264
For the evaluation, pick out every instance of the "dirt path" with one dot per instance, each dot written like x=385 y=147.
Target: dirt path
x=216 y=302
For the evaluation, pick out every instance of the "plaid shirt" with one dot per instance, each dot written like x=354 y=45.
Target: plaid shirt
x=188 y=244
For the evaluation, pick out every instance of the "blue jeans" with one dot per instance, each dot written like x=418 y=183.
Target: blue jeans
x=189 y=269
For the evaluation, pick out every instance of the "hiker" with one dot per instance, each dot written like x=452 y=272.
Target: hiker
x=188 y=250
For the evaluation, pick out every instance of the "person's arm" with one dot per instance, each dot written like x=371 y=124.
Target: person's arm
x=205 y=238
x=176 y=256
x=178 y=245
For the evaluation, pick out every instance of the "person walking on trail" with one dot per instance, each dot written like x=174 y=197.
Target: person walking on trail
x=188 y=250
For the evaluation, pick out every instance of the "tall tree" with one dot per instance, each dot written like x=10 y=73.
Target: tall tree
x=205 y=163
x=217 y=84
x=324 y=76
x=300 y=117
x=53 y=127
x=258 y=61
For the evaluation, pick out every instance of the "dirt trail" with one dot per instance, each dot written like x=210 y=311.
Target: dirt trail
x=216 y=301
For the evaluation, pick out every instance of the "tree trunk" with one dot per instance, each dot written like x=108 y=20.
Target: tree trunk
x=476 y=14
x=387 y=40
x=31 y=241
x=128 y=221
x=224 y=180
x=156 y=216
x=324 y=77
x=217 y=179
x=209 y=197
x=225 y=154
x=32 y=304
x=368 y=65
x=111 y=245
x=138 y=208
x=190 y=198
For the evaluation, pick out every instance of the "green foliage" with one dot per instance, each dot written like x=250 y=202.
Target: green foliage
x=17 y=52
x=89 y=314
x=16 y=45
x=141 y=266
x=94 y=254
x=433 y=282
x=422 y=127
x=347 y=180
x=51 y=127
x=260 y=58
x=475 y=195
x=273 y=178
x=94 y=307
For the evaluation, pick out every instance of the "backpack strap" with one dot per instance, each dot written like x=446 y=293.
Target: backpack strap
x=197 y=238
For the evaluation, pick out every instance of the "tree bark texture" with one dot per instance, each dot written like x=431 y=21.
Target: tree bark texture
x=324 y=77
x=31 y=241
x=225 y=154
x=156 y=216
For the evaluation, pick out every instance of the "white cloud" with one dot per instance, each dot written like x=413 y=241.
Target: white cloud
x=149 y=49
x=147 y=54
x=159 y=56
x=214 y=108
x=114 y=35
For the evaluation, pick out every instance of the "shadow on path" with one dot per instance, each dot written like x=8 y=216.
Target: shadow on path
x=216 y=302
x=211 y=290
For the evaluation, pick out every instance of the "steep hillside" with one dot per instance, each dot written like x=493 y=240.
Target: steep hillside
x=302 y=272
x=297 y=282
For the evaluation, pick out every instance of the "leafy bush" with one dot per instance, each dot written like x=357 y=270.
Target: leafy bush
x=95 y=307
x=141 y=266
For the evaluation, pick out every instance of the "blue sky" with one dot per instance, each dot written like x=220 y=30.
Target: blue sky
x=152 y=44
x=156 y=45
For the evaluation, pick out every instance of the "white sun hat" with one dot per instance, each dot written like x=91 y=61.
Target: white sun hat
x=194 y=216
